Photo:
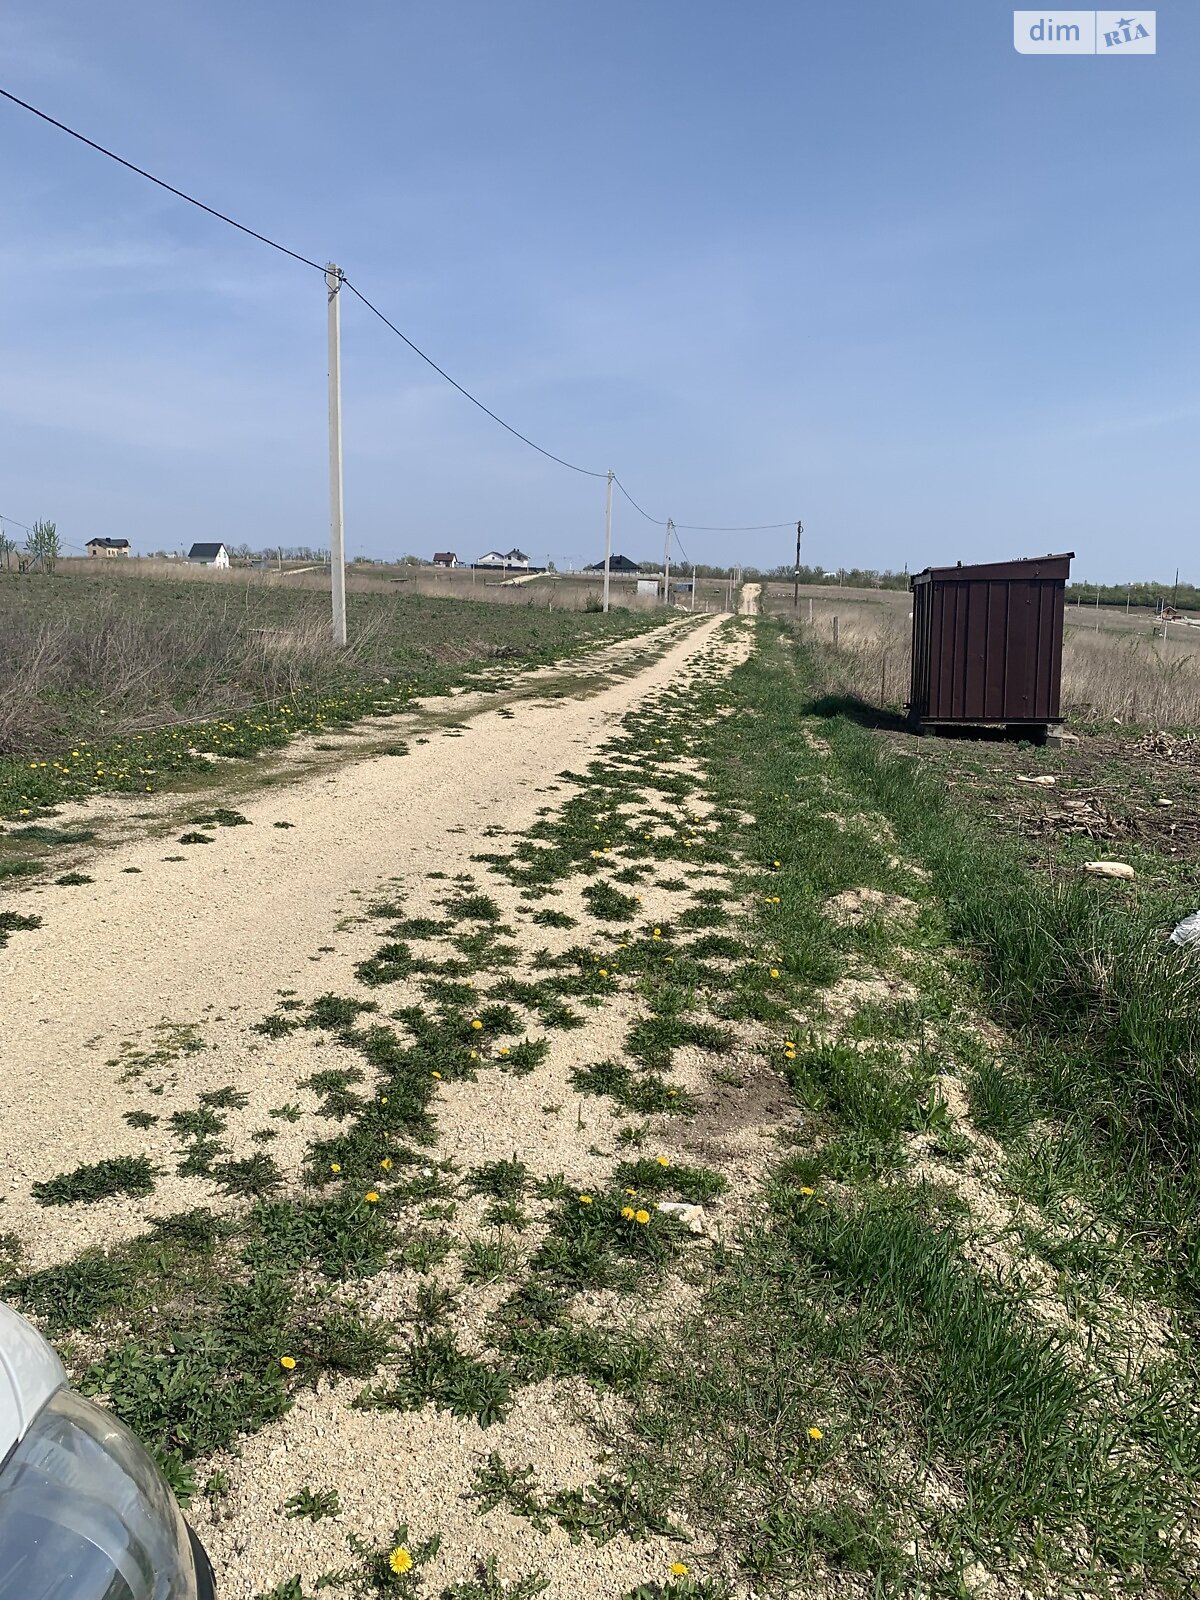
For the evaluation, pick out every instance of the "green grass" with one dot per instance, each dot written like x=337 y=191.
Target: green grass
x=130 y=1175
x=434 y=1371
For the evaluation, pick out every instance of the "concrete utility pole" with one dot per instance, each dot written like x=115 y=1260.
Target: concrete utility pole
x=337 y=544
x=607 y=535
x=667 y=564
x=693 y=586
x=796 y=587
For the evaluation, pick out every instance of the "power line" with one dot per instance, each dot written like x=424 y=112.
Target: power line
x=745 y=527
x=17 y=524
x=161 y=182
x=659 y=522
x=416 y=349
x=295 y=255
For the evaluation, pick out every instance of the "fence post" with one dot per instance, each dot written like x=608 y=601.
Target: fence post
x=836 y=631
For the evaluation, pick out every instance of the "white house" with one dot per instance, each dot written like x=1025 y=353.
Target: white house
x=209 y=555
x=445 y=558
x=505 y=561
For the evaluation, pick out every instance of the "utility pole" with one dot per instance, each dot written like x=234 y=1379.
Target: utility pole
x=667 y=564
x=337 y=546
x=693 y=586
x=796 y=588
x=607 y=535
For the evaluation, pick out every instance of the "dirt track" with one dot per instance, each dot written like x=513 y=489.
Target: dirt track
x=210 y=939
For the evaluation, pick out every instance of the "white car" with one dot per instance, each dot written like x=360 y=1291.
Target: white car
x=84 y=1512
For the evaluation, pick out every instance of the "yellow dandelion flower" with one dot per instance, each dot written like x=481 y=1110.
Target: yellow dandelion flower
x=658 y=933
x=585 y=1199
x=474 y=1055
x=604 y=972
x=476 y=1024
x=641 y=1216
x=631 y=1191
x=627 y=1213
x=438 y=1074
x=775 y=863
x=383 y=1099
x=335 y=1166
x=400 y=1560
x=386 y=1163
x=774 y=972
x=804 y=1189
x=679 y=1569
x=288 y=1363
x=815 y=1434
x=371 y=1197
x=663 y=1162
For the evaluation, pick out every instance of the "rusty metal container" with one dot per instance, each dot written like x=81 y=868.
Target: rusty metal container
x=987 y=645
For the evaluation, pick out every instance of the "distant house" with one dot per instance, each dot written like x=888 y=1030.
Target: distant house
x=107 y=547
x=445 y=558
x=505 y=560
x=209 y=555
x=615 y=564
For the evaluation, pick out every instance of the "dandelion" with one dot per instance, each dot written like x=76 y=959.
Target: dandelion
x=335 y=1166
x=288 y=1363
x=386 y=1163
x=476 y=1024
x=679 y=1569
x=815 y=1434
x=585 y=1199
x=438 y=1074
x=774 y=972
x=631 y=1191
x=383 y=1099
x=804 y=1189
x=658 y=933
x=627 y=1213
x=604 y=972
x=775 y=863
x=641 y=1216
x=503 y=1050
x=371 y=1197
x=400 y=1560
x=663 y=1162
x=473 y=1055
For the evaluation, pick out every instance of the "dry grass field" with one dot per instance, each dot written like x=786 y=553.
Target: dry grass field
x=1115 y=665
x=567 y=591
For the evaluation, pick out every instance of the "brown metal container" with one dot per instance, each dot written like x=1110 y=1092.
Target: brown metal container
x=987 y=644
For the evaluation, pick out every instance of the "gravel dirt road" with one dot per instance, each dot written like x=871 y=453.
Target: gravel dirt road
x=208 y=936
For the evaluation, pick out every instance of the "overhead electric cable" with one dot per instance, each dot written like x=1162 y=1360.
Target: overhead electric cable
x=295 y=255
x=162 y=183
x=416 y=349
x=659 y=522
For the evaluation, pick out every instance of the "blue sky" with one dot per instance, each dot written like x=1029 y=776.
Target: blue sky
x=856 y=262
